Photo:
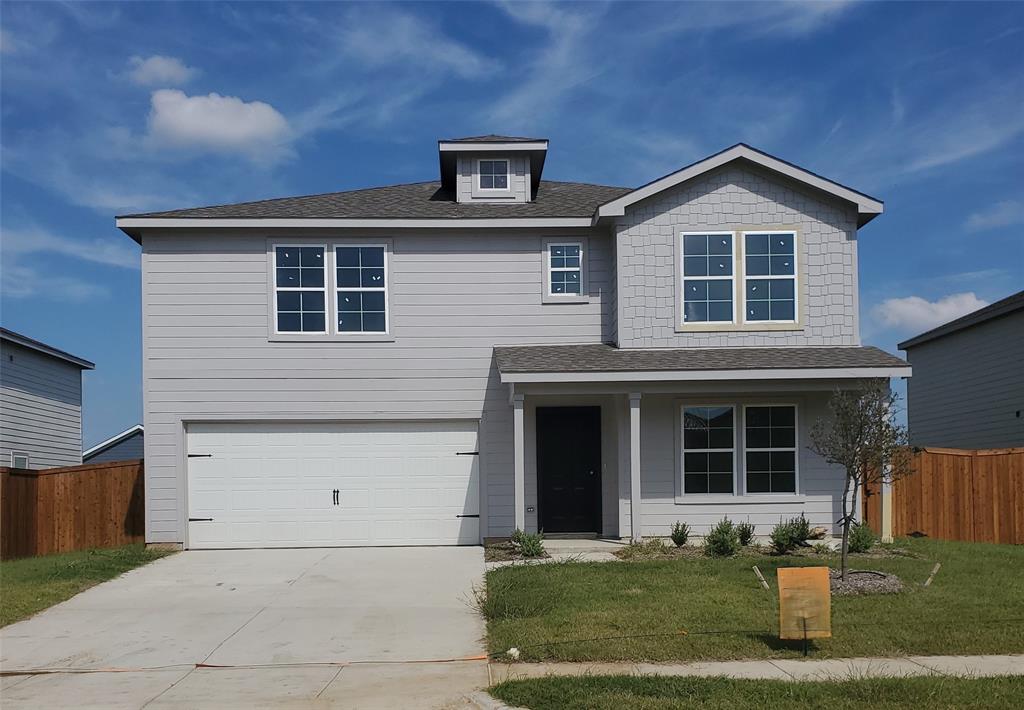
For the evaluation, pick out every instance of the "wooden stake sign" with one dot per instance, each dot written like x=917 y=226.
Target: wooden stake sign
x=805 y=603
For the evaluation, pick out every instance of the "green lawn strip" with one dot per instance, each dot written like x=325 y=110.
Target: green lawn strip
x=629 y=692
x=29 y=585
x=549 y=611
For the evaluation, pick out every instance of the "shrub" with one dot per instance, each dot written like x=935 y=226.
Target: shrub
x=722 y=541
x=790 y=534
x=680 y=533
x=531 y=545
x=862 y=538
x=516 y=537
x=823 y=548
x=745 y=531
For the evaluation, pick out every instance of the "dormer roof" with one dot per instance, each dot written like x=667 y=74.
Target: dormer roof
x=536 y=150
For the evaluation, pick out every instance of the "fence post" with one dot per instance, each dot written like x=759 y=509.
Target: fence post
x=886 y=508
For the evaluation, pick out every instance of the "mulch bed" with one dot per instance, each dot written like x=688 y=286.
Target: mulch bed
x=862 y=581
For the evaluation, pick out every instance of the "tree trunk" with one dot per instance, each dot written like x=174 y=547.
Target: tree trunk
x=847 y=517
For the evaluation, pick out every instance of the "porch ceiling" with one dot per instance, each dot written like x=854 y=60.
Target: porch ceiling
x=602 y=362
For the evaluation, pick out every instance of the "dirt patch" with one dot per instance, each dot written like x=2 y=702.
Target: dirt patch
x=507 y=552
x=863 y=581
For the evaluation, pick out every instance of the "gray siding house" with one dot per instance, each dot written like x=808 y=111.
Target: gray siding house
x=968 y=386
x=40 y=403
x=443 y=362
x=129 y=444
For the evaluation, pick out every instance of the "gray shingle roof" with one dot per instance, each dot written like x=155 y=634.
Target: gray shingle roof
x=607 y=358
x=422 y=200
x=1006 y=306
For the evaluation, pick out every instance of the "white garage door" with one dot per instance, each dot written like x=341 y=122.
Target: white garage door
x=332 y=484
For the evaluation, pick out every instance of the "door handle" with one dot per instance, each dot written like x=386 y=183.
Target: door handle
x=336 y=496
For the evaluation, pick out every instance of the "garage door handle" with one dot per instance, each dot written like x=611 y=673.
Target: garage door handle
x=467 y=516
x=200 y=520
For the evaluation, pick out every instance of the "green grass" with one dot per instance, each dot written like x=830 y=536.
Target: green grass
x=27 y=586
x=629 y=692
x=637 y=610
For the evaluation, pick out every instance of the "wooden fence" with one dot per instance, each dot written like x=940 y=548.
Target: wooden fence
x=957 y=494
x=71 y=508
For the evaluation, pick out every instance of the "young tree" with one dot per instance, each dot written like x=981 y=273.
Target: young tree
x=862 y=436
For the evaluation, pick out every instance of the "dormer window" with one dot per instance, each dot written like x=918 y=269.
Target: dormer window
x=493 y=174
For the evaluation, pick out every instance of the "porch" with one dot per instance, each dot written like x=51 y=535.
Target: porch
x=621 y=444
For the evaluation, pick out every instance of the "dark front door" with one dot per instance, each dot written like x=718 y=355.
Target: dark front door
x=569 y=469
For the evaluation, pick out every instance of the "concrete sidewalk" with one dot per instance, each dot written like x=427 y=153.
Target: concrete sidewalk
x=828 y=669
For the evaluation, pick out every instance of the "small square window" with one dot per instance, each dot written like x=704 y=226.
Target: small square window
x=19 y=459
x=493 y=174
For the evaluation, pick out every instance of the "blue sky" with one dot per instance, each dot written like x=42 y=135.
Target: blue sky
x=113 y=108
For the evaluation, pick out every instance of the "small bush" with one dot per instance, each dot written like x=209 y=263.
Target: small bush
x=516 y=537
x=680 y=533
x=652 y=547
x=790 y=534
x=862 y=538
x=723 y=540
x=823 y=548
x=531 y=545
x=745 y=531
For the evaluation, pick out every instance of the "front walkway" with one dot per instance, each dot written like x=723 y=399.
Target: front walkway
x=352 y=627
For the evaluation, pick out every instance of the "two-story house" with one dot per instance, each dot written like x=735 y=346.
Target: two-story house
x=442 y=362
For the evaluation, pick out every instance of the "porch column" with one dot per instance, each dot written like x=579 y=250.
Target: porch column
x=634 y=465
x=519 y=469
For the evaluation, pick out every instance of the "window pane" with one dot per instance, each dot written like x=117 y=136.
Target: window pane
x=720 y=244
x=758 y=438
x=757 y=310
x=780 y=289
x=289 y=322
x=501 y=182
x=756 y=244
x=695 y=312
x=557 y=262
x=695 y=266
x=782 y=310
x=572 y=262
x=719 y=266
x=348 y=256
x=373 y=322
x=486 y=182
x=781 y=243
x=758 y=461
x=289 y=301
x=313 y=322
x=349 y=323
x=720 y=416
x=695 y=483
x=287 y=256
x=720 y=462
x=782 y=265
x=572 y=250
x=757 y=266
x=348 y=277
x=757 y=289
x=719 y=290
x=350 y=301
x=782 y=416
x=697 y=290
x=695 y=463
x=572 y=287
x=312 y=278
x=371 y=256
x=720 y=439
x=720 y=483
x=719 y=312
x=373 y=301
x=783 y=461
x=288 y=277
x=696 y=438
x=783 y=437
x=695 y=244
x=373 y=277
x=783 y=483
x=758 y=416
x=311 y=256
x=312 y=300
x=557 y=250
x=759 y=483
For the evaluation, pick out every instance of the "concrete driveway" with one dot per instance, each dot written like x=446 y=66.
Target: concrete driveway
x=354 y=628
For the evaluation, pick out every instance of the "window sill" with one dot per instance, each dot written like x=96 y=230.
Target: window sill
x=548 y=298
x=737 y=328
x=758 y=499
x=331 y=338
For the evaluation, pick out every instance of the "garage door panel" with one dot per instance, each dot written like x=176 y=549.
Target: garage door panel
x=271 y=485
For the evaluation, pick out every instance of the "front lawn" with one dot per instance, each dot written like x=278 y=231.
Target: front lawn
x=627 y=692
x=29 y=585
x=640 y=610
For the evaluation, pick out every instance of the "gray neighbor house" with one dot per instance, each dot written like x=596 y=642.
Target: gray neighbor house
x=968 y=386
x=40 y=403
x=127 y=445
x=442 y=362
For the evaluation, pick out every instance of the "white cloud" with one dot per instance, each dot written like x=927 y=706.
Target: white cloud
x=1002 y=214
x=223 y=124
x=20 y=281
x=390 y=38
x=159 y=70
x=916 y=314
x=111 y=251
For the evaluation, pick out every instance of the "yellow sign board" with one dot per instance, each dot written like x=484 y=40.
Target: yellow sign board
x=805 y=603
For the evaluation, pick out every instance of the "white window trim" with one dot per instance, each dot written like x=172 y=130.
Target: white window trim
x=508 y=175
x=795 y=275
x=327 y=306
x=20 y=454
x=734 y=278
x=795 y=448
x=548 y=269
x=383 y=289
x=682 y=450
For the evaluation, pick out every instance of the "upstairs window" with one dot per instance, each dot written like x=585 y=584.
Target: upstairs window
x=770 y=448
x=769 y=277
x=299 y=293
x=709 y=450
x=493 y=174
x=19 y=459
x=361 y=289
x=565 y=269
x=708 y=283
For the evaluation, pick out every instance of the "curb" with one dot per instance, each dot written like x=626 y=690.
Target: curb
x=485 y=701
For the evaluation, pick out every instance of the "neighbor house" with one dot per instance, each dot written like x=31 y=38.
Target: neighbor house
x=445 y=361
x=968 y=386
x=120 y=447
x=40 y=403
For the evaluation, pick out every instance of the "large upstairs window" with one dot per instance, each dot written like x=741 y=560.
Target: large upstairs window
x=362 y=289
x=769 y=263
x=708 y=284
x=299 y=292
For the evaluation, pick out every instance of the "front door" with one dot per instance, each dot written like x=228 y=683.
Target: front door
x=569 y=469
